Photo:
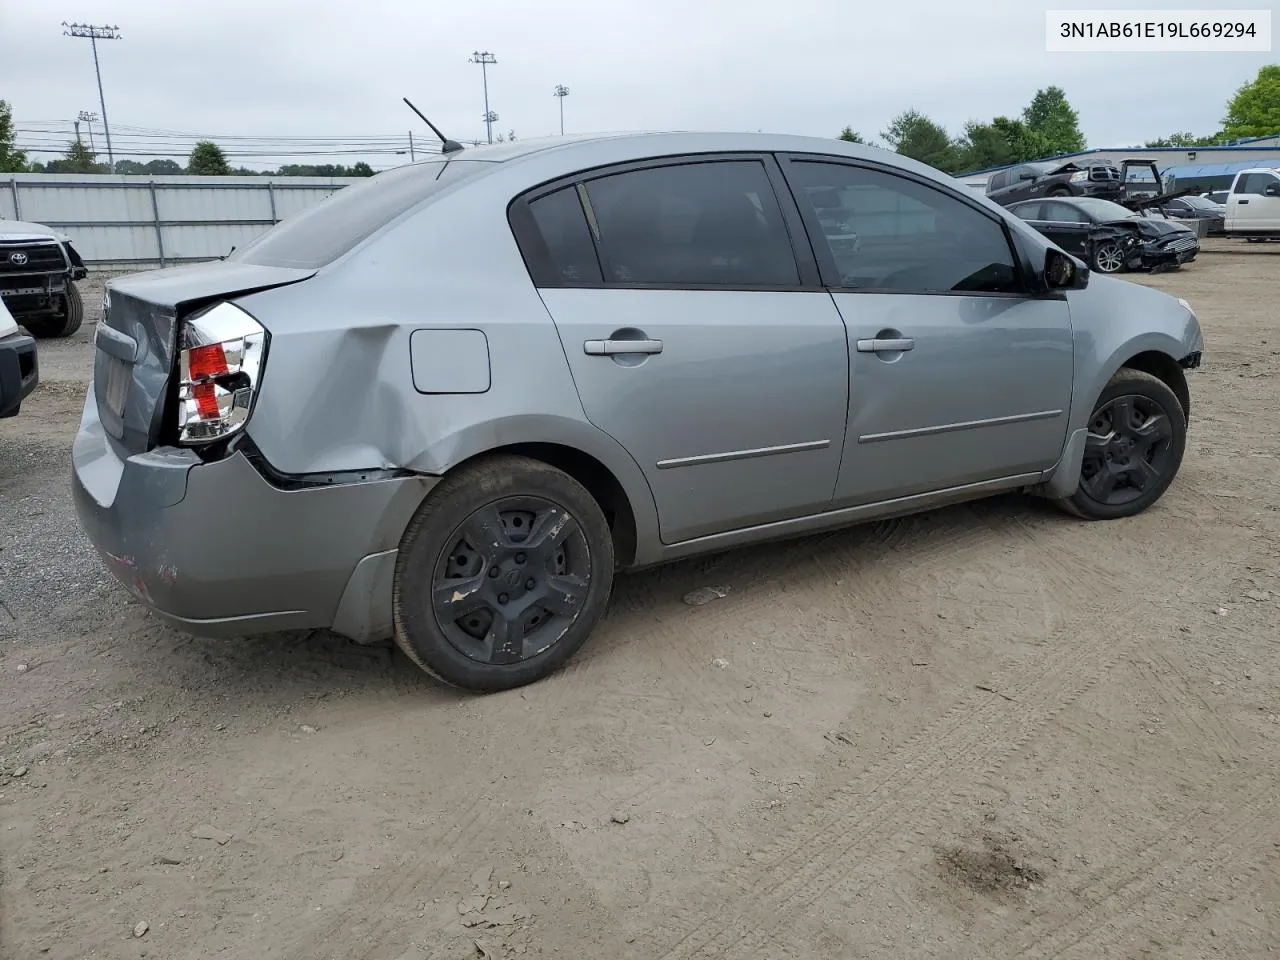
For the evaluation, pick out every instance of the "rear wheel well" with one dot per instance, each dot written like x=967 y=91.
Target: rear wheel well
x=599 y=481
x=1166 y=369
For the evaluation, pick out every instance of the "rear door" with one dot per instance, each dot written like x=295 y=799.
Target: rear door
x=957 y=374
x=697 y=333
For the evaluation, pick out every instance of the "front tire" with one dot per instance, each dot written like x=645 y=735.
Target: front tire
x=501 y=575
x=1137 y=437
x=62 y=324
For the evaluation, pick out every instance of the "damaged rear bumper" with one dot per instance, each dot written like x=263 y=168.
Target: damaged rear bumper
x=218 y=550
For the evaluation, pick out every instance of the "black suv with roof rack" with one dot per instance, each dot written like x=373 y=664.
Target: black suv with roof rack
x=38 y=271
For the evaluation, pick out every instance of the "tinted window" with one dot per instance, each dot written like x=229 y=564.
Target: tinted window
x=886 y=232
x=999 y=181
x=1064 y=213
x=690 y=224
x=323 y=232
x=564 y=229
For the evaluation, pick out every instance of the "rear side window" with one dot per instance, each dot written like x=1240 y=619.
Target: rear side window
x=714 y=223
x=322 y=233
x=563 y=227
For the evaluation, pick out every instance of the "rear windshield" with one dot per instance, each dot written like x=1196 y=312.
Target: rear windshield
x=322 y=233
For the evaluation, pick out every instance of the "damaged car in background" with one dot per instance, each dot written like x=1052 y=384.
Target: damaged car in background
x=39 y=268
x=1109 y=237
x=1031 y=180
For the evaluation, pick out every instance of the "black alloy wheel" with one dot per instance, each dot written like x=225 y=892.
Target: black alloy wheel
x=502 y=574
x=1134 y=447
x=513 y=581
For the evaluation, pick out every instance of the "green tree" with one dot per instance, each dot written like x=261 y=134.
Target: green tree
x=983 y=146
x=12 y=160
x=1024 y=143
x=79 y=159
x=850 y=135
x=208 y=160
x=1254 y=111
x=1185 y=139
x=1053 y=118
x=914 y=135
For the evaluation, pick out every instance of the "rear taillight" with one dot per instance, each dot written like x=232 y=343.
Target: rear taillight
x=219 y=369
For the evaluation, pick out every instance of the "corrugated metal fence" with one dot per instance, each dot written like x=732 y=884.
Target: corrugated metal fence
x=120 y=222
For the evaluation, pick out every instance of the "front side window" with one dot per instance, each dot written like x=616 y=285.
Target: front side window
x=999 y=181
x=693 y=224
x=1027 y=211
x=891 y=234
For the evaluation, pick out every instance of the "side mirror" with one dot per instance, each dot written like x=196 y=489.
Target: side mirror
x=1064 y=272
x=1272 y=190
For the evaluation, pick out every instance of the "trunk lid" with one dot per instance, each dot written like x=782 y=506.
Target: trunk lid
x=137 y=338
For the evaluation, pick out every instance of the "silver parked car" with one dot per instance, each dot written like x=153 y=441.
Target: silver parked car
x=448 y=404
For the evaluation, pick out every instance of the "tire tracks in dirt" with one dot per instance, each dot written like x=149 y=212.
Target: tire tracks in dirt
x=910 y=792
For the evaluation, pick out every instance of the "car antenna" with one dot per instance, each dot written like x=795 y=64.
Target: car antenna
x=446 y=145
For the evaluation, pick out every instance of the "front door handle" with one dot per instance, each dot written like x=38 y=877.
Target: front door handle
x=885 y=346
x=613 y=348
x=1242 y=202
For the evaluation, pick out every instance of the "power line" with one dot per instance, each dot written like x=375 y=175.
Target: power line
x=93 y=34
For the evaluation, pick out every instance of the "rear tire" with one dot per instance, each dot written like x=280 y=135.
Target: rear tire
x=64 y=324
x=502 y=574
x=1137 y=437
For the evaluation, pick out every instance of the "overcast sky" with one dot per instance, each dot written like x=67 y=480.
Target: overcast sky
x=277 y=68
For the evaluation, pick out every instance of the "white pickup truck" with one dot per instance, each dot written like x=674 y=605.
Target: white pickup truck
x=19 y=371
x=1253 y=205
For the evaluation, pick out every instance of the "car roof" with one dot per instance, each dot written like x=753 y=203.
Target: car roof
x=572 y=154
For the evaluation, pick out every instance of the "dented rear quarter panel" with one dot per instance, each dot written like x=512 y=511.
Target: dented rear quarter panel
x=338 y=391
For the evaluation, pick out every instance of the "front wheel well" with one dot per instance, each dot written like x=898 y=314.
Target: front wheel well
x=1166 y=369
x=596 y=477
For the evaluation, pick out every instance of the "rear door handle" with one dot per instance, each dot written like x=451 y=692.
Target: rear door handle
x=613 y=348
x=885 y=346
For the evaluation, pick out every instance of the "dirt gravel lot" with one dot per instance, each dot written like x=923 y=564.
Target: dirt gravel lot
x=990 y=731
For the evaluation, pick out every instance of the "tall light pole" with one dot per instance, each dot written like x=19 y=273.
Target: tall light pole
x=93 y=34
x=561 y=92
x=87 y=117
x=484 y=58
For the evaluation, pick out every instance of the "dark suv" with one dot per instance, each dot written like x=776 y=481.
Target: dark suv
x=1031 y=181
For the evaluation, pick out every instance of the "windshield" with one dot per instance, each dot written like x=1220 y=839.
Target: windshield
x=1104 y=209
x=323 y=232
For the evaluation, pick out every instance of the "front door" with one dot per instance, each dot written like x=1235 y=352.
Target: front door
x=1250 y=209
x=699 y=338
x=1068 y=227
x=957 y=376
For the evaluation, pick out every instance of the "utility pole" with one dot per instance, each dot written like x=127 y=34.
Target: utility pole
x=93 y=34
x=76 y=123
x=484 y=58
x=411 y=156
x=87 y=118
x=561 y=92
